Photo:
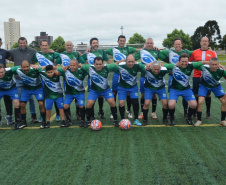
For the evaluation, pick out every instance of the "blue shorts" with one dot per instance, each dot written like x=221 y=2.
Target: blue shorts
x=122 y=92
x=93 y=95
x=115 y=80
x=79 y=97
x=217 y=91
x=187 y=94
x=148 y=93
x=26 y=94
x=59 y=102
x=169 y=81
x=142 y=80
x=196 y=81
x=13 y=93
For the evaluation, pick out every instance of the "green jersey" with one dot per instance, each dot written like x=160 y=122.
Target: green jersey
x=128 y=76
x=148 y=56
x=31 y=80
x=211 y=79
x=120 y=53
x=66 y=57
x=45 y=59
x=74 y=80
x=181 y=76
x=52 y=86
x=172 y=56
x=7 y=82
x=99 y=79
x=153 y=81
x=92 y=54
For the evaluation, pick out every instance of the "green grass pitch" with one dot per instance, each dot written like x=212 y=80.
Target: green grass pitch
x=154 y=154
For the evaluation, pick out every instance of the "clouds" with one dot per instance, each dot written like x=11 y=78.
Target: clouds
x=80 y=20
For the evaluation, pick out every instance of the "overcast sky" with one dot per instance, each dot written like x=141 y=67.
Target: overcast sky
x=79 y=20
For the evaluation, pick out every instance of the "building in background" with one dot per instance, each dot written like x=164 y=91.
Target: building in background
x=12 y=32
x=44 y=36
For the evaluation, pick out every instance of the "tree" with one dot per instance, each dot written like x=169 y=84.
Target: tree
x=35 y=45
x=168 y=42
x=223 y=42
x=136 y=39
x=210 y=30
x=16 y=45
x=58 y=45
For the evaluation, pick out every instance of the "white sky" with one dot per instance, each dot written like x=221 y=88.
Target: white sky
x=79 y=20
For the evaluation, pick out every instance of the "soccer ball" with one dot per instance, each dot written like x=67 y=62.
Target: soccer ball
x=125 y=124
x=96 y=125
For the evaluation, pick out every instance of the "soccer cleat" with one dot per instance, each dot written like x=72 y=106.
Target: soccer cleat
x=144 y=122
x=223 y=123
x=81 y=123
x=63 y=123
x=40 y=119
x=127 y=111
x=165 y=122
x=101 y=114
x=198 y=123
x=141 y=116
x=47 y=124
x=190 y=121
x=130 y=115
x=23 y=124
x=9 y=120
x=16 y=126
x=137 y=122
x=34 y=118
x=111 y=116
x=116 y=123
x=207 y=115
x=68 y=123
x=43 y=125
x=86 y=124
x=58 y=119
x=172 y=122
x=153 y=115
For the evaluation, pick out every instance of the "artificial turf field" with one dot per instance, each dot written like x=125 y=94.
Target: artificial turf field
x=154 y=154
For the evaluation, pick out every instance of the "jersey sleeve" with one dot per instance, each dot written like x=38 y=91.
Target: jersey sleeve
x=169 y=66
x=224 y=74
x=60 y=69
x=58 y=60
x=14 y=69
x=35 y=59
x=189 y=52
x=141 y=66
x=111 y=67
x=164 y=56
x=109 y=51
x=197 y=65
x=81 y=59
x=85 y=67
x=137 y=55
x=132 y=50
x=84 y=56
x=105 y=57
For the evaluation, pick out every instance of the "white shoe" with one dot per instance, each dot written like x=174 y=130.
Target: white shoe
x=111 y=116
x=141 y=116
x=223 y=123
x=127 y=112
x=130 y=115
x=153 y=115
x=198 y=123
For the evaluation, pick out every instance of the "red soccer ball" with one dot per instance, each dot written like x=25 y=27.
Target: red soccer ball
x=125 y=124
x=96 y=125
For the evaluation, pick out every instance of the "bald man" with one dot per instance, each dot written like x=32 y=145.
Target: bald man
x=202 y=54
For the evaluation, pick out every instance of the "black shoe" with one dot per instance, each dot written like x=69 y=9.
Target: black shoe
x=23 y=124
x=207 y=115
x=47 y=124
x=86 y=124
x=63 y=124
x=190 y=121
x=165 y=122
x=144 y=122
x=43 y=125
x=172 y=122
x=16 y=126
x=82 y=123
x=101 y=114
x=116 y=123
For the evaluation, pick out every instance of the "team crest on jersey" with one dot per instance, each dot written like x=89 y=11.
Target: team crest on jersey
x=65 y=60
x=90 y=57
x=117 y=55
x=180 y=76
x=98 y=79
x=42 y=60
x=146 y=57
x=16 y=96
x=153 y=81
x=173 y=57
x=40 y=95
